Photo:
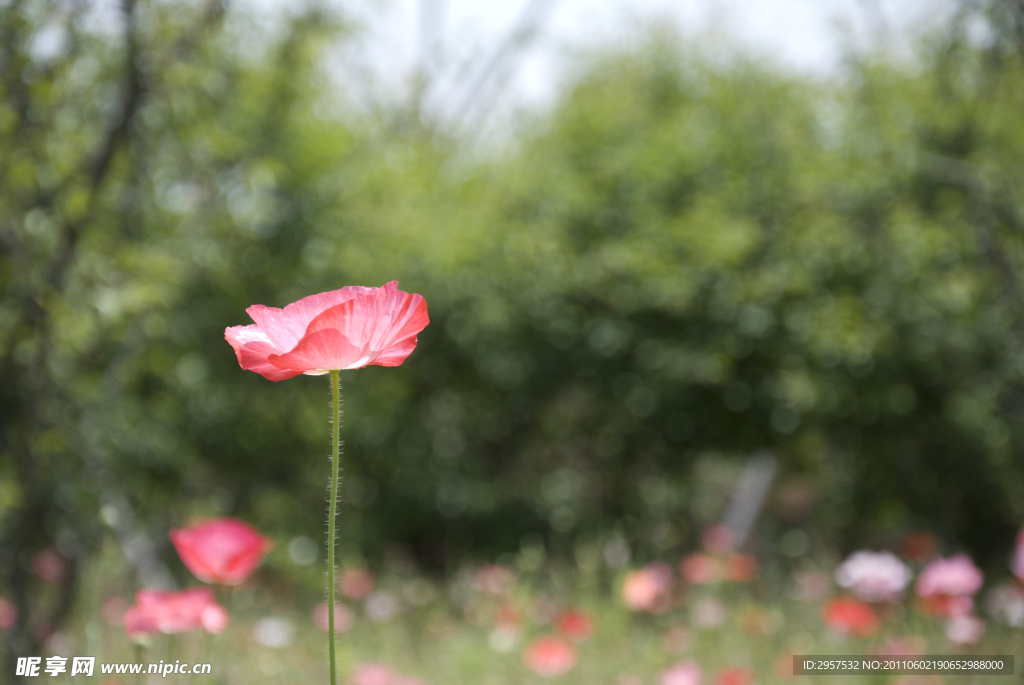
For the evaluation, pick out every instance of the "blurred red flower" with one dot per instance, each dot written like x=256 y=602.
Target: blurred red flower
x=742 y=568
x=223 y=550
x=342 y=329
x=159 y=611
x=343 y=618
x=735 y=675
x=701 y=569
x=919 y=546
x=356 y=583
x=648 y=589
x=945 y=606
x=575 y=625
x=849 y=615
x=549 y=657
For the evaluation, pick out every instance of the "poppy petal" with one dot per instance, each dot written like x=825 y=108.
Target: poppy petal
x=319 y=351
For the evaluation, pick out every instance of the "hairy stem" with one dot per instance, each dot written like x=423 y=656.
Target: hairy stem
x=332 y=513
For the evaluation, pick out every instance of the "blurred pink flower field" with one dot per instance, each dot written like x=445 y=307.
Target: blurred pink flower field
x=710 y=618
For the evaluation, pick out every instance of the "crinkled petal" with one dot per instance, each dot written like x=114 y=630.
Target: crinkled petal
x=382 y=326
x=319 y=351
x=284 y=328
x=252 y=347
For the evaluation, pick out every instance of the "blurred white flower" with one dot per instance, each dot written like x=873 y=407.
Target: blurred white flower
x=709 y=613
x=873 y=576
x=964 y=630
x=1006 y=603
x=380 y=606
x=276 y=633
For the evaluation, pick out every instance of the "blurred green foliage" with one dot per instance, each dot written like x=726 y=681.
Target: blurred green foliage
x=685 y=261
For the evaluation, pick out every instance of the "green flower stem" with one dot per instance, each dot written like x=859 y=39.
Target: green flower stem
x=335 y=449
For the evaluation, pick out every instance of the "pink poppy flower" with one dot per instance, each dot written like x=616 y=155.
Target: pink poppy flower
x=174 y=612
x=343 y=618
x=575 y=625
x=549 y=657
x=648 y=589
x=873 y=576
x=342 y=329
x=683 y=673
x=223 y=550
x=356 y=583
x=954 y=576
x=849 y=615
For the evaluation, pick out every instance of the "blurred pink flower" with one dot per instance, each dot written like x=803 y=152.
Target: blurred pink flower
x=342 y=329
x=8 y=614
x=49 y=566
x=1017 y=565
x=575 y=625
x=494 y=579
x=964 y=630
x=682 y=673
x=873 y=576
x=174 y=612
x=356 y=583
x=549 y=657
x=343 y=618
x=222 y=550
x=954 y=576
x=648 y=589
x=849 y=615
x=373 y=674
